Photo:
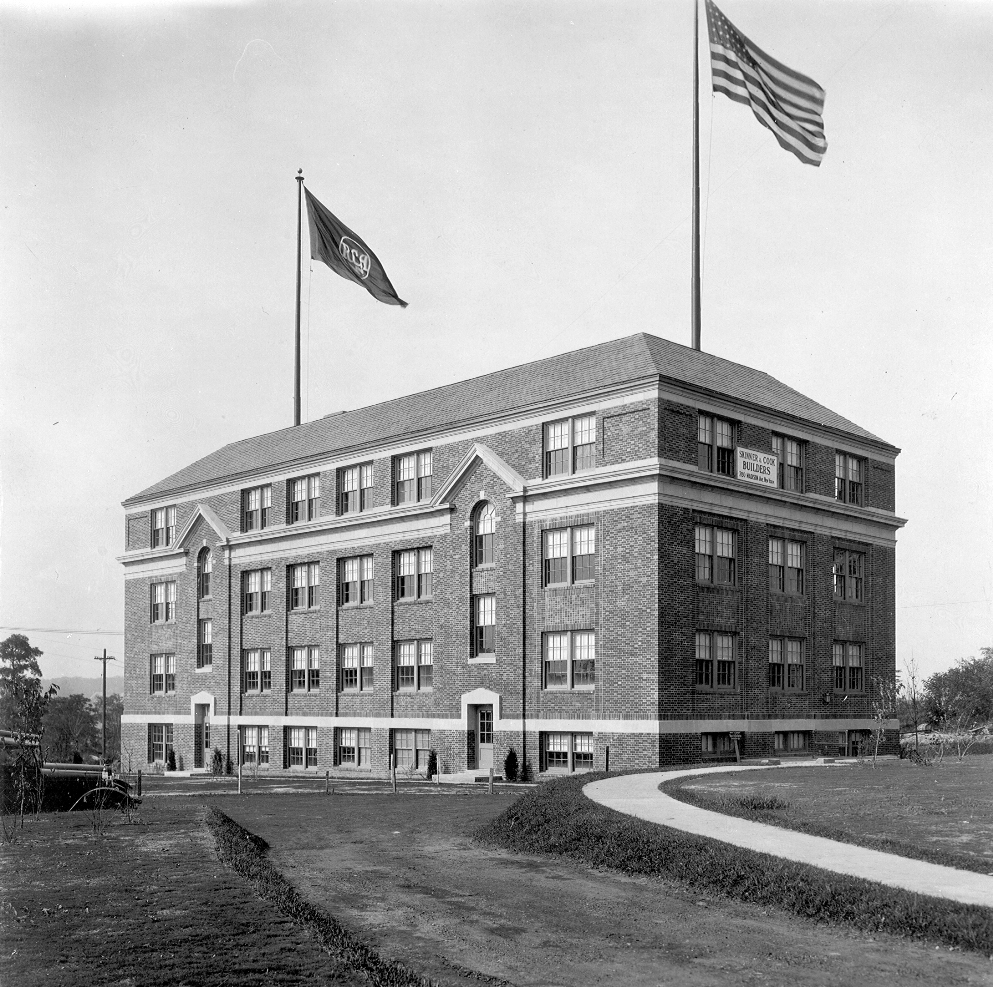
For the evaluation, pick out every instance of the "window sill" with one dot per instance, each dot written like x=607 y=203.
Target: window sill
x=488 y=659
x=257 y=613
x=412 y=692
x=578 y=582
x=588 y=689
x=268 y=692
x=786 y=593
x=352 y=606
x=715 y=690
x=719 y=586
x=301 y=692
x=408 y=600
x=851 y=603
x=360 y=692
x=204 y=668
x=299 y=610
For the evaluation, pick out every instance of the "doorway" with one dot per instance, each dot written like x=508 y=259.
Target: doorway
x=201 y=734
x=484 y=731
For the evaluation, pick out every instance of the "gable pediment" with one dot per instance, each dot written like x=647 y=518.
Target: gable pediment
x=208 y=516
x=482 y=454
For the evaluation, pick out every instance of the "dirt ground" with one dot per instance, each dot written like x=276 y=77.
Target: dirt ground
x=404 y=872
x=947 y=808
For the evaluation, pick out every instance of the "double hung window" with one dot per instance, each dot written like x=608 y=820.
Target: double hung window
x=355 y=580
x=566 y=752
x=301 y=747
x=570 y=445
x=305 y=669
x=792 y=741
x=848 y=571
x=258 y=670
x=718 y=744
x=357 y=668
x=162 y=603
x=163 y=526
x=413 y=477
x=256 y=508
x=414 y=666
x=205 y=566
x=305 y=585
x=785 y=565
x=790 y=455
x=848 y=472
x=205 y=644
x=569 y=659
x=715 y=445
x=484 y=624
x=354 y=484
x=786 y=664
x=415 y=574
x=159 y=742
x=715 y=555
x=305 y=498
x=483 y=535
x=569 y=555
x=355 y=747
x=715 y=660
x=411 y=749
x=254 y=745
x=162 y=674
x=256 y=588
x=847 y=661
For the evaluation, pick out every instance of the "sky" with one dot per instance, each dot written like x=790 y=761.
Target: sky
x=523 y=172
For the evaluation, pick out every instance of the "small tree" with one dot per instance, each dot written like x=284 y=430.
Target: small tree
x=432 y=763
x=217 y=762
x=883 y=697
x=171 y=760
x=510 y=765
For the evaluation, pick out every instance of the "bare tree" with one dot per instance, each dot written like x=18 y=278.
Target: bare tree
x=883 y=693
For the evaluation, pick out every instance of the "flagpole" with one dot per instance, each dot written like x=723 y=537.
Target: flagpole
x=695 y=276
x=296 y=338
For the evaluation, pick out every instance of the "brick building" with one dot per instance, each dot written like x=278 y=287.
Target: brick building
x=634 y=546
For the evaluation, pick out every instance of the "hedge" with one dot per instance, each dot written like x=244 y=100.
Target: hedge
x=557 y=818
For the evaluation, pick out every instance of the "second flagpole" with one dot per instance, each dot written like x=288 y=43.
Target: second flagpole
x=695 y=275
x=296 y=338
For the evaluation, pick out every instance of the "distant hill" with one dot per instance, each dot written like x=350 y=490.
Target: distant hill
x=72 y=685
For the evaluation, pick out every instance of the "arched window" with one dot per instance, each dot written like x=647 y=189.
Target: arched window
x=204 y=566
x=482 y=552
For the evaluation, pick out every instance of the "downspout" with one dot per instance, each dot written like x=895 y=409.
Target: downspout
x=227 y=757
x=524 y=624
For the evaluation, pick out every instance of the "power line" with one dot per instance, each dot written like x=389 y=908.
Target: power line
x=59 y=630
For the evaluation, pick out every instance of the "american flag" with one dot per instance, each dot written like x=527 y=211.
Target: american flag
x=786 y=102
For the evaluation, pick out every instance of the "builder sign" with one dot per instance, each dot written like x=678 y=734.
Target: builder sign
x=758 y=467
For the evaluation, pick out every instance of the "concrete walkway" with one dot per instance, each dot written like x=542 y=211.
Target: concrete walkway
x=639 y=795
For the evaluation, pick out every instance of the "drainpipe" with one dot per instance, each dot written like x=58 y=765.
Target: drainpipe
x=227 y=744
x=524 y=625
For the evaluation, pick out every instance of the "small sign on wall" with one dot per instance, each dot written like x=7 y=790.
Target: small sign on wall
x=758 y=467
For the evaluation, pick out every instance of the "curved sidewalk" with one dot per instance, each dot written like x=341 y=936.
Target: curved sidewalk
x=639 y=795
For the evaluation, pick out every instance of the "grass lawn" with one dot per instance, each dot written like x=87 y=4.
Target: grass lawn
x=940 y=813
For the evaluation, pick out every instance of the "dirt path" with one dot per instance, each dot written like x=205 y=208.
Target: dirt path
x=403 y=871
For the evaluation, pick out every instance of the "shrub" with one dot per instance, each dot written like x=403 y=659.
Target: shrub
x=432 y=763
x=217 y=762
x=510 y=765
x=171 y=760
x=228 y=766
x=557 y=818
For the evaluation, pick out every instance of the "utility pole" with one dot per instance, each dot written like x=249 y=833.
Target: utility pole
x=103 y=722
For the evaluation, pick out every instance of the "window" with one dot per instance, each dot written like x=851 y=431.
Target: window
x=163 y=603
x=257 y=663
x=254 y=745
x=566 y=752
x=847 y=662
x=786 y=664
x=715 y=445
x=785 y=565
x=205 y=646
x=483 y=534
x=413 y=478
x=256 y=587
x=411 y=749
x=305 y=585
x=159 y=742
x=205 y=566
x=414 y=665
x=715 y=556
x=570 y=445
x=484 y=624
x=355 y=581
x=792 y=742
x=163 y=526
x=301 y=747
x=719 y=744
x=847 y=478
x=790 y=455
x=305 y=669
x=715 y=660
x=354 y=484
x=256 y=508
x=162 y=674
x=415 y=574
x=848 y=569
x=305 y=498
x=569 y=659
x=569 y=555
x=357 y=670
x=355 y=747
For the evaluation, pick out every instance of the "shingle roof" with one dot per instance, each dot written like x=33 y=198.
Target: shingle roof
x=621 y=361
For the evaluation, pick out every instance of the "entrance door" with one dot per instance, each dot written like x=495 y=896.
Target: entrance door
x=484 y=731
x=201 y=734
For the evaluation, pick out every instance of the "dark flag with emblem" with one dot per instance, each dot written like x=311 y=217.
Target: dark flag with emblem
x=346 y=253
x=786 y=102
